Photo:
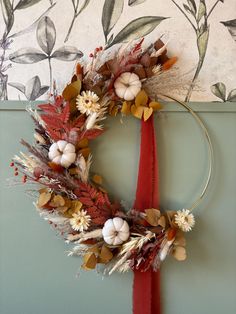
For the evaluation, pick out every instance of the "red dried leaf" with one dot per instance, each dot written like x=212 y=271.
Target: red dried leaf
x=91 y=134
x=86 y=201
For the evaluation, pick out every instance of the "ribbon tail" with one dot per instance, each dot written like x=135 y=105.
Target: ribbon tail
x=146 y=285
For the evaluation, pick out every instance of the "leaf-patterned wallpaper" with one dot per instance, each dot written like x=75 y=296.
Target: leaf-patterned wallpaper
x=41 y=41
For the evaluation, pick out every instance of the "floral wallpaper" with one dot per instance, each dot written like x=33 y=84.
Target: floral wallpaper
x=42 y=40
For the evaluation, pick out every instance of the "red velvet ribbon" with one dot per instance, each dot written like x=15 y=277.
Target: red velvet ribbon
x=146 y=286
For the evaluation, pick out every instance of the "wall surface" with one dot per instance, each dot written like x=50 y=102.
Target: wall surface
x=41 y=40
x=36 y=276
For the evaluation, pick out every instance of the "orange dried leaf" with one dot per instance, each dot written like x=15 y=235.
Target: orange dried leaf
x=83 y=143
x=171 y=234
x=97 y=179
x=169 y=63
x=55 y=167
x=147 y=113
x=85 y=152
x=152 y=216
x=79 y=71
x=141 y=99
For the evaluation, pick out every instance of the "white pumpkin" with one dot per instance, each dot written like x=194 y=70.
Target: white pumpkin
x=62 y=153
x=115 y=231
x=127 y=86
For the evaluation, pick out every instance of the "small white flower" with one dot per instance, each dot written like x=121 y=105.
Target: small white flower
x=80 y=221
x=184 y=220
x=87 y=102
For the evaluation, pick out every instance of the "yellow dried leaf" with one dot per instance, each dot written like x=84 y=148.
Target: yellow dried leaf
x=73 y=105
x=137 y=111
x=155 y=105
x=75 y=206
x=94 y=249
x=90 y=261
x=67 y=214
x=67 y=202
x=147 y=113
x=126 y=107
x=72 y=90
x=97 y=179
x=141 y=99
x=179 y=253
x=152 y=216
x=57 y=201
x=162 y=221
x=44 y=198
x=105 y=255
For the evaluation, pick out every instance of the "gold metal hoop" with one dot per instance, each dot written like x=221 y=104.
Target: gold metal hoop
x=210 y=150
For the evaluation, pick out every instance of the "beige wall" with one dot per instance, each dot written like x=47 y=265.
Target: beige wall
x=217 y=54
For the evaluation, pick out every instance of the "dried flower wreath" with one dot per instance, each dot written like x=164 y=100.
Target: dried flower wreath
x=130 y=80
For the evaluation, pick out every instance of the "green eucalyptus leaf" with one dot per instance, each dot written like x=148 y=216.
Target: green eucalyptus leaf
x=111 y=13
x=219 y=90
x=46 y=34
x=137 y=28
x=202 y=42
x=232 y=95
x=23 y=4
x=132 y=3
x=27 y=56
